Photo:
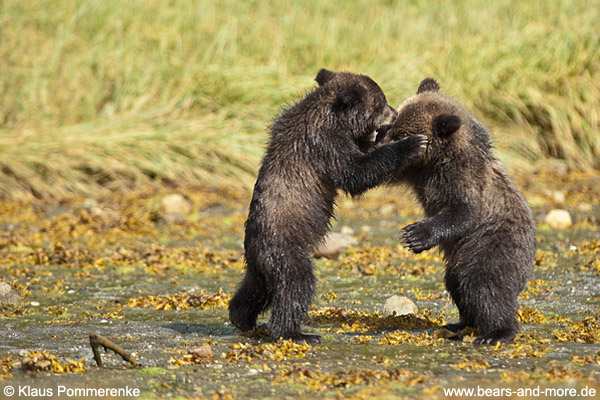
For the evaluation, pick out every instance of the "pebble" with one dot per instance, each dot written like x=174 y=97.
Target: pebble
x=346 y=230
x=9 y=297
x=400 y=305
x=35 y=303
x=585 y=207
x=386 y=209
x=90 y=203
x=175 y=208
x=176 y=204
x=558 y=219
x=559 y=197
x=203 y=352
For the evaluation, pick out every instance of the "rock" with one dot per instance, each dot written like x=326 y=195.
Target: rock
x=346 y=230
x=559 y=197
x=334 y=244
x=400 y=305
x=105 y=214
x=559 y=219
x=175 y=207
x=90 y=203
x=585 y=207
x=386 y=209
x=9 y=297
x=203 y=353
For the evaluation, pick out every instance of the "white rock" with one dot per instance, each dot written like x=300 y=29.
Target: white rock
x=585 y=207
x=346 y=230
x=386 y=209
x=400 y=305
x=558 y=219
x=176 y=204
x=175 y=208
x=559 y=197
x=90 y=203
x=334 y=244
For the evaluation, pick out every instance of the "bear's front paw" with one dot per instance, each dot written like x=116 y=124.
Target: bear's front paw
x=417 y=237
x=412 y=146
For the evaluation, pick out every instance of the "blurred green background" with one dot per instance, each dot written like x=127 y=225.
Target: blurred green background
x=110 y=95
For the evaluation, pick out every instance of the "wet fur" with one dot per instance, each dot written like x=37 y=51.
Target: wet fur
x=317 y=146
x=481 y=222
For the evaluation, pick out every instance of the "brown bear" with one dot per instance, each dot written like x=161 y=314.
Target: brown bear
x=317 y=146
x=476 y=215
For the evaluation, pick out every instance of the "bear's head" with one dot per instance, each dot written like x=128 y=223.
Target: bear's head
x=355 y=104
x=432 y=114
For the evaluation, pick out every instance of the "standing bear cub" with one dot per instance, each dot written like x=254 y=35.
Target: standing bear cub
x=481 y=222
x=317 y=146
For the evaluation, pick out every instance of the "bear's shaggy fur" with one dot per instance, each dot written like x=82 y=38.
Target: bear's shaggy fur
x=317 y=146
x=475 y=214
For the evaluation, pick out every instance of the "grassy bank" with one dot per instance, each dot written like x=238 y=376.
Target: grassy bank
x=111 y=94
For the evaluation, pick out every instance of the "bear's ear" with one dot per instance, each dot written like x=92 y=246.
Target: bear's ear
x=445 y=125
x=348 y=97
x=428 y=85
x=324 y=76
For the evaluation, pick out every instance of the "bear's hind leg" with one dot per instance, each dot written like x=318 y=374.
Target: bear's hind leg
x=292 y=297
x=248 y=302
x=494 y=310
x=454 y=288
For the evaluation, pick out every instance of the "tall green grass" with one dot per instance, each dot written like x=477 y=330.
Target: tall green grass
x=108 y=94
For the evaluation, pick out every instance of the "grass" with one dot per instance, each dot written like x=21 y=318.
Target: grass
x=102 y=95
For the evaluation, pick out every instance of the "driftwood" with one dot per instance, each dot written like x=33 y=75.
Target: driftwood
x=96 y=341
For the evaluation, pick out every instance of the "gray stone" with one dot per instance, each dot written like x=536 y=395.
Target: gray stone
x=9 y=297
x=399 y=305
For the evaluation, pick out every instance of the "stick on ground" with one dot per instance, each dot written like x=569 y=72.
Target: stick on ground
x=96 y=341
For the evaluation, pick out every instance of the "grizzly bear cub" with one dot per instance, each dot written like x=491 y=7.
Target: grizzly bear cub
x=317 y=146
x=481 y=222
